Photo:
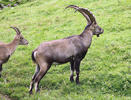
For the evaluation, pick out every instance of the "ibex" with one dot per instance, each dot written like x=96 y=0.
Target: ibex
x=6 y=50
x=71 y=49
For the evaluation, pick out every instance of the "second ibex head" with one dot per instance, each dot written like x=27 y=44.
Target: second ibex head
x=19 y=37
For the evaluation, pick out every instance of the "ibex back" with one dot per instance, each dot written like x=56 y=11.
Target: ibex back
x=71 y=49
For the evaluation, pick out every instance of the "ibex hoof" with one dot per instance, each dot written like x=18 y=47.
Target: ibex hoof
x=38 y=90
x=30 y=93
x=71 y=79
x=77 y=81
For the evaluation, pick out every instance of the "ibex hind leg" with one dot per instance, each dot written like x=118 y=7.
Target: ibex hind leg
x=36 y=72
x=32 y=82
x=0 y=70
x=40 y=75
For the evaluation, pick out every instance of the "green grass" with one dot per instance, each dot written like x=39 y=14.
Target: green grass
x=12 y=2
x=106 y=69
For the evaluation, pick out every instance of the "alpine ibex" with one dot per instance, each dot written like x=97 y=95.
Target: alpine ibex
x=71 y=49
x=6 y=50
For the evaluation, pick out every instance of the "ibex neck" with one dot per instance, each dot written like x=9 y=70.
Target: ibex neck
x=87 y=35
x=12 y=46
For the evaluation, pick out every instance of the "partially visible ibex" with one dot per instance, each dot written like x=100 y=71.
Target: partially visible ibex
x=71 y=49
x=6 y=50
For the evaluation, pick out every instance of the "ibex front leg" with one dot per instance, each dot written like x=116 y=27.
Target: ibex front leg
x=0 y=70
x=72 y=71
x=77 y=68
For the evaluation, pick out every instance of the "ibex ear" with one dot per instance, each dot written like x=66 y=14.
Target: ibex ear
x=16 y=29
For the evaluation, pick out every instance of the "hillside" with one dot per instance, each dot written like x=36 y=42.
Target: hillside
x=106 y=69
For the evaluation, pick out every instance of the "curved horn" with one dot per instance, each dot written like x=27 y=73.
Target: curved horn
x=80 y=10
x=89 y=13
x=16 y=29
x=86 y=13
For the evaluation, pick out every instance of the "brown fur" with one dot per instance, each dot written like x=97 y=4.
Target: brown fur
x=7 y=49
x=71 y=49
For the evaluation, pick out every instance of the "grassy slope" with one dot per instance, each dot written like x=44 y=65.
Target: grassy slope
x=104 y=71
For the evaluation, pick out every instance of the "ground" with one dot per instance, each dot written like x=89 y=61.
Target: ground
x=106 y=69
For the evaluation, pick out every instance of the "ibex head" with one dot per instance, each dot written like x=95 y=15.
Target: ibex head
x=19 y=37
x=95 y=28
